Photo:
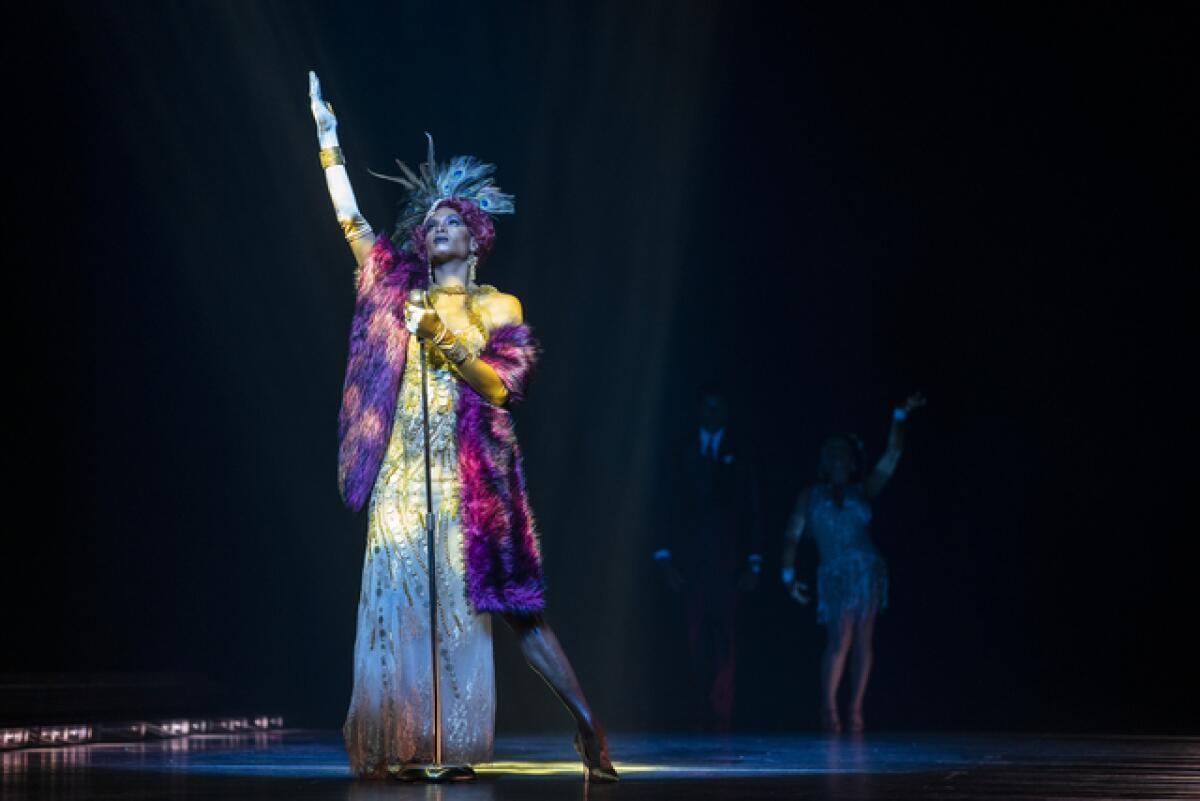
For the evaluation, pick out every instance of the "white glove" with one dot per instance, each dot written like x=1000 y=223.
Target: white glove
x=345 y=206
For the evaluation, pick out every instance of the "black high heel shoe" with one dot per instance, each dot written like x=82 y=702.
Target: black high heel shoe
x=599 y=766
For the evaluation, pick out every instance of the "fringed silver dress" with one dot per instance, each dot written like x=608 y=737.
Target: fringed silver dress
x=852 y=578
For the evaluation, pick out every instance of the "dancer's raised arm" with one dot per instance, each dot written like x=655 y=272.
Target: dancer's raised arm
x=886 y=465
x=355 y=227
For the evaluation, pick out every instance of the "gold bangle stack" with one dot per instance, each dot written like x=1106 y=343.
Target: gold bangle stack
x=458 y=353
x=331 y=155
x=354 y=228
x=451 y=347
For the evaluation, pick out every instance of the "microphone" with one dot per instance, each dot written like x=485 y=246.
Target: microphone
x=416 y=297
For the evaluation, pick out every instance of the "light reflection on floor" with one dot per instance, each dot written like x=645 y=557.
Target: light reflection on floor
x=316 y=754
x=311 y=766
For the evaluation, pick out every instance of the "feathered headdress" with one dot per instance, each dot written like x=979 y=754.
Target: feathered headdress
x=464 y=177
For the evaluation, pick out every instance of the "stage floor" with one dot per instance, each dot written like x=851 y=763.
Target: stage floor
x=301 y=765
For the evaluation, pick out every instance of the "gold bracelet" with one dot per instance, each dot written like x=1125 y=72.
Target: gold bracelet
x=330 y=156
x=454 y=349
x=353 y=229
x=457 y=353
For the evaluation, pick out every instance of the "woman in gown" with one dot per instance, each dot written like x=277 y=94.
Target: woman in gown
x=479 y=358
x=852 y=578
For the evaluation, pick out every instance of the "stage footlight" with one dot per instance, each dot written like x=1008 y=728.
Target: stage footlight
x=233 y=724
x=15 y=738
x=170 y=728
x=63 y=735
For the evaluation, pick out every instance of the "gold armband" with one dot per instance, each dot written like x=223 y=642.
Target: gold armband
x=331 y=156
x=355 y=227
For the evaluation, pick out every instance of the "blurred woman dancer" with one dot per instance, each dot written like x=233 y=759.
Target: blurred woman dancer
x=852 y=578
x=480 y=359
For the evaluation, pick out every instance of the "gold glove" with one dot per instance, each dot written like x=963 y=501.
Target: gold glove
x=425 y=323
x=479 y=374
x=483 y=379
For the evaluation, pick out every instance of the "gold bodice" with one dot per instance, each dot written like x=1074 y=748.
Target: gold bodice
x=403 y=470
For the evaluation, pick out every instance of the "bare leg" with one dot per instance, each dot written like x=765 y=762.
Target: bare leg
x=544 y=654
x=864 y=654
x=833 y=662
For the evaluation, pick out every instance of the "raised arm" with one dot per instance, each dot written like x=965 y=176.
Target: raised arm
x=791 y=538
x=355 y=228
x=886 y=465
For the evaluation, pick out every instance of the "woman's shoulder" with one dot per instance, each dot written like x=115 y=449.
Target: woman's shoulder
x=496 y=308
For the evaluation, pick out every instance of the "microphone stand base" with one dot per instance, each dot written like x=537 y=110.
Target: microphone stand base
x=435 y=774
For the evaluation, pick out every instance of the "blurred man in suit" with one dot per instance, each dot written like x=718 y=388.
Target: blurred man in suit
x=709 y=551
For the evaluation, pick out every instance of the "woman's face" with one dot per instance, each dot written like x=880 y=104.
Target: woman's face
x=447 y=236
x=839 y=462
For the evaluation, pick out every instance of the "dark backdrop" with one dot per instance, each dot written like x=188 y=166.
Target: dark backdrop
x=827 y=210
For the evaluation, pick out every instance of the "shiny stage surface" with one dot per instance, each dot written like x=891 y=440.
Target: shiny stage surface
x=295 y=764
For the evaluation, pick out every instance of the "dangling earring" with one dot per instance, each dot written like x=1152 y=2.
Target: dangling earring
x=472 y=260
x=429 y=267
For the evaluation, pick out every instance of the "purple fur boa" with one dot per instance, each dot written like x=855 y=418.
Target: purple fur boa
x=378 y=347
x=503 y=560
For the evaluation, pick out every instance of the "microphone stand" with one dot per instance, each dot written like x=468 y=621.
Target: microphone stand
x=436 y=771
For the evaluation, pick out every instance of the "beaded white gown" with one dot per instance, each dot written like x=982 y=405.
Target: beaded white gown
x=389 y=720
